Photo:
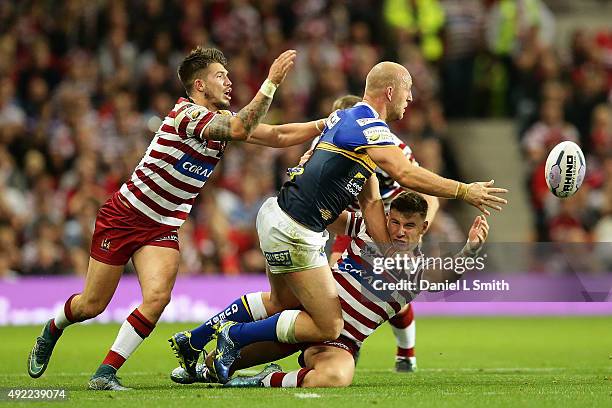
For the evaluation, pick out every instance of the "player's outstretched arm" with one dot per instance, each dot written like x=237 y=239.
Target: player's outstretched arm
x=373 y=211
x=398 y=167
x=477 y=236
x=286 y=135
x=241 y=126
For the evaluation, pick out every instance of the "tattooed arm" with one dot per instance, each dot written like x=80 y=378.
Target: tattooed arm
x=241 y=126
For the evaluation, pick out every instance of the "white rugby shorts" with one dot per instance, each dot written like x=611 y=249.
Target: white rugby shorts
x=287 y=245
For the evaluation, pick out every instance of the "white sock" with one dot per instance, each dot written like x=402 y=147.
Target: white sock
x=405 y=337
x=256 y=304
x=127 y=340
x=61 y=320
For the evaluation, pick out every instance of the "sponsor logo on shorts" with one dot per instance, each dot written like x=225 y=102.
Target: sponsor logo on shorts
x=338 y=344
x=106 y=244
x=281 y=258
x=170 y=237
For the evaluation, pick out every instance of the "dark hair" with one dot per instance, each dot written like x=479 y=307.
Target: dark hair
x=198 y=59
x=409 y=202
x=345 y=102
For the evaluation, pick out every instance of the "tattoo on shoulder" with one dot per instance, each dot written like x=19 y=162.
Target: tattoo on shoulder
x=219 y=128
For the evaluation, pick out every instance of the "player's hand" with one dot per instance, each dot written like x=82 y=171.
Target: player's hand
x=478 y=233
x=305 y=157
x=481 y=195
x=281 y=65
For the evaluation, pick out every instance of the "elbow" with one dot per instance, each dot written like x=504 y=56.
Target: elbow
x=365 y=203
x=277 y=139
x=402 y=176
x=237 y=130
x=434 y=204
x=240 y=134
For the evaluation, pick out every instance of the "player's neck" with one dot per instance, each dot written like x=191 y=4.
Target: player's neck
x=203 y=101
x=378 y=105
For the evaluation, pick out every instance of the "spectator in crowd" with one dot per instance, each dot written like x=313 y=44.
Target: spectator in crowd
x=83 y=87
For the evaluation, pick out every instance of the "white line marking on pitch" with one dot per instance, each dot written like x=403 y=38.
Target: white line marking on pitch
x=305 y=395
x=464 y=369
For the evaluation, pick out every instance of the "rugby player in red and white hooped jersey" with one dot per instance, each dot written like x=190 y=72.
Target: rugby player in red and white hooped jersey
x=403 y=323
x=141 y=220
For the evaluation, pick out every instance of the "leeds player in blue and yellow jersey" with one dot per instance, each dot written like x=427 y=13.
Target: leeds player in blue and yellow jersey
x=291 y=228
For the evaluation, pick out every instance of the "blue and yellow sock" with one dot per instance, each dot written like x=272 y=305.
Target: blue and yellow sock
x=280 y=327
x=254 y=332
x=247 y=308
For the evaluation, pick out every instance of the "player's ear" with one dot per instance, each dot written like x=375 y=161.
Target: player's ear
x=389 y=93
x=425 y=227
x=199 y=85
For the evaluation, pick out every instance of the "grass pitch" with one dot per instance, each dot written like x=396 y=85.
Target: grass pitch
x=463 y=362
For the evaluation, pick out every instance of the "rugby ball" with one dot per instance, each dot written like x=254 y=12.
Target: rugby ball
x=565 y=169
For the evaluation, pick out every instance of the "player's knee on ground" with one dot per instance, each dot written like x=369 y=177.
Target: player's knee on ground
x=330 y=329
x=328 y=377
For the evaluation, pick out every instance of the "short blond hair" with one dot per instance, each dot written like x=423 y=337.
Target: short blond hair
x=345 y=102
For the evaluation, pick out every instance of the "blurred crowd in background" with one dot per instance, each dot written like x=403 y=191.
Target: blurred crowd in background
x=85 y=84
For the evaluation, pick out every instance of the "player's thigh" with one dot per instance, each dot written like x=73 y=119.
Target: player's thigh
x=333 y=367
x=156 y=268
x=100 y=283
x=281 y=295
x=316 y=291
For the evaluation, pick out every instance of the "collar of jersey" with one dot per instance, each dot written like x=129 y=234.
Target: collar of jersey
x=376 y=115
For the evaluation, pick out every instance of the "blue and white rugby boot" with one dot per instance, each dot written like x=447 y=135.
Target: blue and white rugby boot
x=203 y=375
x=186 y=354
x=227 y=351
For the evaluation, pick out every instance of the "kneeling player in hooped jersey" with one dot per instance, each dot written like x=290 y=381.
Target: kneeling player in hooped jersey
x=141 y=220
x=403 y=323
x=364 y=306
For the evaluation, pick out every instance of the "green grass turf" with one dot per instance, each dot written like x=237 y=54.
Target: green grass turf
x=463 y=362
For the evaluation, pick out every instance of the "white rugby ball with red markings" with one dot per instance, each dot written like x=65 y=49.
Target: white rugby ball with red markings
x=565 y=169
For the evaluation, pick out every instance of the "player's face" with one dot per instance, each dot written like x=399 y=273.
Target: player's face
x=402 y=96
x=218 y=87
x=406 y=229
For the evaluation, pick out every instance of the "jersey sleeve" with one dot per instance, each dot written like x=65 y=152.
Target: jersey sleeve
x=192 y=121
x=363 y=135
